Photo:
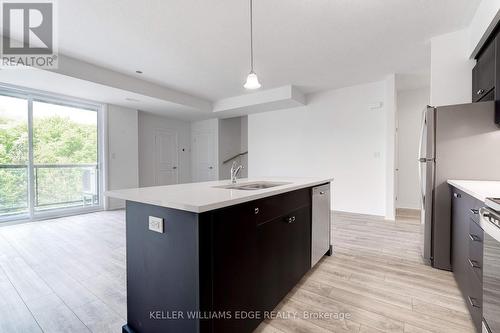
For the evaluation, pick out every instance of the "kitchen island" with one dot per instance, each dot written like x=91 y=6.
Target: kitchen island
x=219 y=257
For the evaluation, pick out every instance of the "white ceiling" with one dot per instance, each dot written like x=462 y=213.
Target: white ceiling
x=201 y=47
x=65 y=85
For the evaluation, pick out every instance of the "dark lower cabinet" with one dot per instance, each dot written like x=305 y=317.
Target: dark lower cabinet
x=234 y=267
x=284 y=255
x=467 y=252
x=459 y=248
x=260 y=250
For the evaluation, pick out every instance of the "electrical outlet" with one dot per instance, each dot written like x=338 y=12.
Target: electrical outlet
x=156 y=224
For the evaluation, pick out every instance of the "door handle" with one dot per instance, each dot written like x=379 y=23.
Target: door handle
x=174 y=167
x=290 y=219
x=210 y=167
x=474 y=211
x=321 y=192
x=457 y=195
x=480 y=91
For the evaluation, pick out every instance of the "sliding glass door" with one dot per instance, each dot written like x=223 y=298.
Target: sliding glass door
x=13 y=157
x=49 y=156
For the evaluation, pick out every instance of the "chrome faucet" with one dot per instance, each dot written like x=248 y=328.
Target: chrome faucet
x=234 y=172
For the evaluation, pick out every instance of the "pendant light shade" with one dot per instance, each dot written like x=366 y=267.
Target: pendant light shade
x=252 y=79
x=252 y=82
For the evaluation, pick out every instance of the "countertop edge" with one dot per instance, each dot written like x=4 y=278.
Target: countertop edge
x=459 y=185
x=218 y=205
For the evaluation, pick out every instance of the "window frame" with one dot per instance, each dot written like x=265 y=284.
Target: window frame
x=31 y=96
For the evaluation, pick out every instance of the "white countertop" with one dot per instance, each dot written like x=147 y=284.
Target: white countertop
x=479 y=189
x=202 y=197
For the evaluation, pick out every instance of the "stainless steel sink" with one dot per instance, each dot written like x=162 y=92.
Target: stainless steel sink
x=252 y=185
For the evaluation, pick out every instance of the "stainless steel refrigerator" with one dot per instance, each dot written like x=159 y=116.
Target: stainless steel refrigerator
x=457 y=142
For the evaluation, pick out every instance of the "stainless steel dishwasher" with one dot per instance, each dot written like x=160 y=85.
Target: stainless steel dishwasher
x=321 y=225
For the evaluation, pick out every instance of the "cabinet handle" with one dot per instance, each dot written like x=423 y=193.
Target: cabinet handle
x=474 y=238
x=210 y=167
x=457 y=195
x=321 y=192
x=256 y=211
x=290 y=219
x=474 y=211
x=480 y=91
x=474 y=264
x=473 y=302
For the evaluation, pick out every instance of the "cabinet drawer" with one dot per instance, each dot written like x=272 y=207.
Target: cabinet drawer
x=474 y=298
x=476 y=233
x=473 y=210
x=475 y=261
x=268 y=209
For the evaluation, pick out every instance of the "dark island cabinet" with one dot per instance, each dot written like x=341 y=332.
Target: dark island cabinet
x=467 y=252
x=284 y=255
x=218 y=271
x=251 y=256
x=234 y=267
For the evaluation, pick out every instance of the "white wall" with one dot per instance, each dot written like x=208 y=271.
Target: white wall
x=451 y=69
x=410 y=105
x=229 y=144
x=233 y=140
x=244 y=146
x=390 y=156
x=340 y=133
x=149 y=124
x=123 y=160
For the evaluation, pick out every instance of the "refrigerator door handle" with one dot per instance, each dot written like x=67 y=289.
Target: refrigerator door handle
x=422 y=129
x=421 y=159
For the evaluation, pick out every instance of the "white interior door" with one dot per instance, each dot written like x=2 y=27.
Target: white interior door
x=204 y=153
x=166 y=158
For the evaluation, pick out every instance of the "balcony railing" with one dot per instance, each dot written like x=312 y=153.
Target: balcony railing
x=56 y=186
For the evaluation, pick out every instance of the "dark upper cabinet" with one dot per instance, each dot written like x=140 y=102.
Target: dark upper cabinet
x=486 y=74
x=483 y=74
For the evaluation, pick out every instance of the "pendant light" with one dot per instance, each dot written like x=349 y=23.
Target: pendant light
x=252 y=79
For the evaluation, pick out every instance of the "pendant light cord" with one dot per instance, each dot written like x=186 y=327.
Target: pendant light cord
x=251 y=36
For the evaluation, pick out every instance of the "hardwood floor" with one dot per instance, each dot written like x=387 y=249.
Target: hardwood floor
x=68 y=275
x=64 y=275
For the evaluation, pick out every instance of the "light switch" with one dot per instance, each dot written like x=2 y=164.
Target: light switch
x=156 y=224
